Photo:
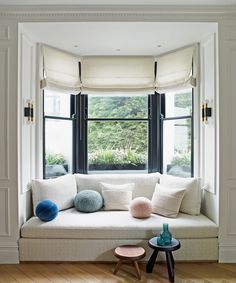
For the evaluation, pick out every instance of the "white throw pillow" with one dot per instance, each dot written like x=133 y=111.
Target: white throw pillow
x=191 y=203
x=61 y=191
x=166 y=201
x=144 y=184
x=117 y=197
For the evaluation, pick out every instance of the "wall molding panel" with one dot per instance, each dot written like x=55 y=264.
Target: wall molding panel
x=9 y=228
x=4 y=113
x=231 y=211
x=227 y=100
x=4 y=212
x=231 y=61
x=4 y=33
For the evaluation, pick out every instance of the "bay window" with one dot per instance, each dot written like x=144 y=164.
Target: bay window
x=86 y=133
x=97 y=133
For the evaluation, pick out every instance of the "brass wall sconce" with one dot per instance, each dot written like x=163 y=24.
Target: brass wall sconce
x=29 y=112
x=206 y=111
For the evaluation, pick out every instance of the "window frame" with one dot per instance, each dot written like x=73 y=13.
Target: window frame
x=81 y=129
x=45 y=117
x=155 y=119
x=164 y=118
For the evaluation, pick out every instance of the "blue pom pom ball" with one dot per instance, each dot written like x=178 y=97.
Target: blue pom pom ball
x=88 y=201
x=46 y=210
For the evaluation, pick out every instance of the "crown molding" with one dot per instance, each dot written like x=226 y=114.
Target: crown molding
x=117 y=12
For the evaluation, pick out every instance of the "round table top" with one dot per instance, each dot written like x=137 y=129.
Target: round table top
x=130 y=252
x=175 y=245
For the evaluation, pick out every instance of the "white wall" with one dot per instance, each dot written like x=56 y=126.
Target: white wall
x=9 y=232
x=9 y=213
x=227 y=120
x=209 y=131
x=26 y=132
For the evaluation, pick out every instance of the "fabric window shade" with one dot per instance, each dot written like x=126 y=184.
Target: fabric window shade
x=61 y=70
x=117 y=72
x=174 y=70
x=118 y=92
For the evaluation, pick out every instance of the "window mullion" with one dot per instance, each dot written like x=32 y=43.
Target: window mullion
x=154 y=134
x=44 y=146
x=81 y=135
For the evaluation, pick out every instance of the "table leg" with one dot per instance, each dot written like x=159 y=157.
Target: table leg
x=170 y=267
x=172 y=260
x=118 y=265
x=151 y=262
x=135 y=263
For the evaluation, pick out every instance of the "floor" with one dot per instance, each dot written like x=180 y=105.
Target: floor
x=102 y=273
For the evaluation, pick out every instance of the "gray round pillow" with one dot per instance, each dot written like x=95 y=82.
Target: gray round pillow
x=88 y=201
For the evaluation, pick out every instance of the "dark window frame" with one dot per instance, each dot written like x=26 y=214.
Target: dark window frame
x=164 y=118
x=155 y=119
x=52 y=117
x=81 y=133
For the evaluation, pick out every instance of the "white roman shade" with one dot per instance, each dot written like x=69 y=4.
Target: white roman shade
x=174 y=70
x=117 y=72
x=61 y=70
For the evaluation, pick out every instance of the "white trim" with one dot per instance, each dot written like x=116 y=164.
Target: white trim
x=9 y=254
x=153 y=13
x=121 y=14
x=196 y=112
x=227 y=253
x=39 y=116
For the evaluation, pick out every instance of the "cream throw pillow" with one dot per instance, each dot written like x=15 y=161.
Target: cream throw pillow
x=166 y=201
x=191 y=203
x=117 y=197
x=61 y=191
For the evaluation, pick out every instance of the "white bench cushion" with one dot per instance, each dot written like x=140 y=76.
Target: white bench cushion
x=71 y=224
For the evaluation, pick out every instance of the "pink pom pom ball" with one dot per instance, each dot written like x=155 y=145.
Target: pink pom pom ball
x=140 y=207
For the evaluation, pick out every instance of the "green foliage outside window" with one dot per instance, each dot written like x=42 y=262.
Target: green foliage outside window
x=117 y=142
x=116 y=157
x=183 y=100
x=55 y=158
x=182 y=159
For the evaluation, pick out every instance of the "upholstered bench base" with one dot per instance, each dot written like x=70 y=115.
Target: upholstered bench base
x=102 y=249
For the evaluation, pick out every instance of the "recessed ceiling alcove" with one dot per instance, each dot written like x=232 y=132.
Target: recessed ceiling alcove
x=123 y=38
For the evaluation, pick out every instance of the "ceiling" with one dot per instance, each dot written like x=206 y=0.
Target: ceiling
x=123 y=38
x=120 y=2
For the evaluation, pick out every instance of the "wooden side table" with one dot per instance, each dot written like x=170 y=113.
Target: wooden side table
x=175 y=245
x=131 y=254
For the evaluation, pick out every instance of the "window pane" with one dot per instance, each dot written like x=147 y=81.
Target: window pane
x=117 y=106
x=58 y=147
x=117 y=145
x=177 y=147
x=179 y=103
x=56 y=104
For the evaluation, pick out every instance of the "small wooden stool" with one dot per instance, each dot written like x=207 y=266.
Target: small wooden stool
x=174 y=245
x=129 y=253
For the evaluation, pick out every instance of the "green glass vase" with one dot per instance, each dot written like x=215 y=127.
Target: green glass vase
x=165 y=237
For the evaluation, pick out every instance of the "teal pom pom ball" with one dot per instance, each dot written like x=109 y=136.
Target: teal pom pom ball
x=46 y=210
x=88 y=201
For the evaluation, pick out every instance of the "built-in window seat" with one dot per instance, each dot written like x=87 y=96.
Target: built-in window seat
x=77 y=236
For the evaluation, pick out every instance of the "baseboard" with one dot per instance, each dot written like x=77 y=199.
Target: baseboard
x=227 y=254
x=9 y=254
